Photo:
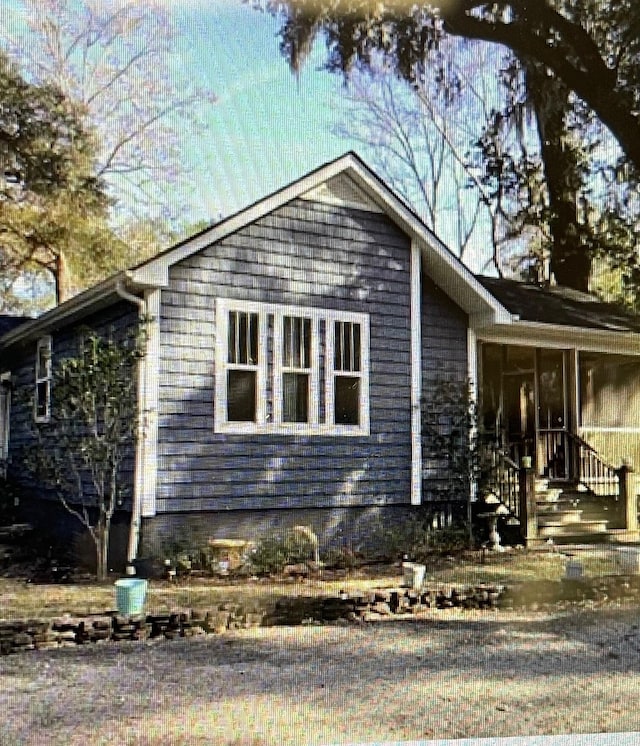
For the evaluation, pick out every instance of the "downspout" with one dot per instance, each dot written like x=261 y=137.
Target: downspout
x=138 y=479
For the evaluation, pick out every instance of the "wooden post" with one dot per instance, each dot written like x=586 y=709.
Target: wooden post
x=527 y=498
x=628 y=495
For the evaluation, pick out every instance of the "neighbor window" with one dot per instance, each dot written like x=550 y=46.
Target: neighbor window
x=286 y=369
x=42 y=399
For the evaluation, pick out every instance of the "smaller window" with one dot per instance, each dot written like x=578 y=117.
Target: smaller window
x=42 y=405
x=296 y=368
x=242 y=366
x=5 y=411
x=347 y=369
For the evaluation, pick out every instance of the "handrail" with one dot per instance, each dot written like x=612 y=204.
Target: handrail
x=579 y=460
x=504 y=480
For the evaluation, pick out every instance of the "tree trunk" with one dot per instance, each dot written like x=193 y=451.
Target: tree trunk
x=102 y=548
x=570 y=258
x=62 y=279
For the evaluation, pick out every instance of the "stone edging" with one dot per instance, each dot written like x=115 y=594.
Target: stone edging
x=41 y=634
x=357 y=607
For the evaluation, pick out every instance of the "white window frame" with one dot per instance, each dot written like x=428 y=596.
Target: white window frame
x=43 y=346
x=223 y=308
x=5 y=419
x=271 y=370
x=279 y=368
x=363 y=426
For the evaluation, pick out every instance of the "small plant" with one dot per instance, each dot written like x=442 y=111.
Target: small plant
x=273 y=553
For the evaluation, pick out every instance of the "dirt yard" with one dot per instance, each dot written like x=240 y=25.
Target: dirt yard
x=448 y=674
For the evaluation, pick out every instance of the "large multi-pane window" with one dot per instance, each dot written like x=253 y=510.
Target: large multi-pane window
x=291 y=369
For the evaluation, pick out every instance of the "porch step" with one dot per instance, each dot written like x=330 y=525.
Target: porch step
x=549 y=495
x=558 y=529
x=568 y=516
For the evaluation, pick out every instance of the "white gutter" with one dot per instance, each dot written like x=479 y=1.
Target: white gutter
x=138 y=479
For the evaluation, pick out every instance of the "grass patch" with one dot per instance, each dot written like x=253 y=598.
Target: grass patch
x=23 y=600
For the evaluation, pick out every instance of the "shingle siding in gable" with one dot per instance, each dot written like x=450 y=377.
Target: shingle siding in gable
x=306 y=254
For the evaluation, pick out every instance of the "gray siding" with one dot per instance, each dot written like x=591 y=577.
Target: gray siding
x=305 y=254
x=444 y=359
x=20 y=360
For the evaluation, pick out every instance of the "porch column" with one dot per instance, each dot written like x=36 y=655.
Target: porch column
x=628 y=484
x=527 y=495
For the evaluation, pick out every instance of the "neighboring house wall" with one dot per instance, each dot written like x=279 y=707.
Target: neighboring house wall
x=21 y=361
x=444 y=359
x=306 y=254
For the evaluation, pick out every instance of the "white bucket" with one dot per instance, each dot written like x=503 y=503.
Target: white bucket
x=413 y=574
x=629 y=559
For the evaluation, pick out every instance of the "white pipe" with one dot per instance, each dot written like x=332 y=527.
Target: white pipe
x=136 y=508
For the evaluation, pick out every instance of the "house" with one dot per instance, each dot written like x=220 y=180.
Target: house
x=292 y=348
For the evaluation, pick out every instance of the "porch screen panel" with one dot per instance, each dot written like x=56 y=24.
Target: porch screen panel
x=609 y=391
x=551 y=389
x=491 y=388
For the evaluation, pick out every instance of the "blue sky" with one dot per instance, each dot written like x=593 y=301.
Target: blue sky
x=267 y=127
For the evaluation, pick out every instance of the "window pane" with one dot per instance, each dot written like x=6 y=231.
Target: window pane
x=296 y=342
x=241 y=396
x=338 y=329
x=42 y=362
x=42 y=390
x=356 y=346
x=346 y=347
x=347 y=352
x=295 y=397
x=243 y=338
x=306 y=344
x=232 y=337
x=347 y=400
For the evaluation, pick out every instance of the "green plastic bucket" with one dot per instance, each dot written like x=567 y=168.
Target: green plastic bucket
x=130 y=595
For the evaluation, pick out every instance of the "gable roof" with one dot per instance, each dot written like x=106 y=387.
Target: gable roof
x=347 y=181
x=559 y=306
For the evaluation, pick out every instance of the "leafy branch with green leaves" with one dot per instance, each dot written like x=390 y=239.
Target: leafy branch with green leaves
x=80 y=452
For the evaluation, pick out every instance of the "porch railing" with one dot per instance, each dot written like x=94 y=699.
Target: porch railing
x=567 y=456
x=595 y=473
x=503 y=478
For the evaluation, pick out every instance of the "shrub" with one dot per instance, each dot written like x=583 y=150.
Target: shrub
x=341 y=558
x=273 y=553
x=417 y=537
